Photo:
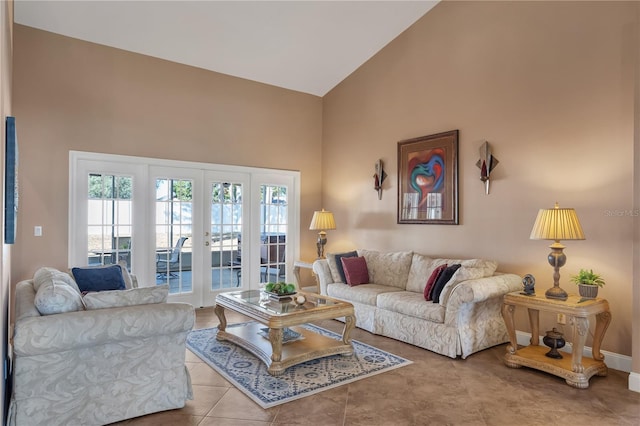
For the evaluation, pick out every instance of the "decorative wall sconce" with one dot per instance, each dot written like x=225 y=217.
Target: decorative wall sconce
x=486 y=164
x=378 y=177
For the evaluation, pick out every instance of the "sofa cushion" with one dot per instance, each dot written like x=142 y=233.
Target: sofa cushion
x=365 y=294
x=99 y=278
x=355 y=270
x=57 y=296
x=131 y=297
x=432 y=281
x=442 y=280
x=335 y=265
x=412 y=304
x=421 y=269
x=388 y=268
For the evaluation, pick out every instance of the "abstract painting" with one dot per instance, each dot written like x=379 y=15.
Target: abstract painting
x=428 y=179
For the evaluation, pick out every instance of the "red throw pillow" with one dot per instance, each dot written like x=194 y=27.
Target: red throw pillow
x=432 y=280
x=355 y=270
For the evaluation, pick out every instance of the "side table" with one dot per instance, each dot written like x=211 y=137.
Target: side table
x=297 y=265
x=575 y=368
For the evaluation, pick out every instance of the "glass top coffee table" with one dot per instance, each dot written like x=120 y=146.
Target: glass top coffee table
x=276 y=321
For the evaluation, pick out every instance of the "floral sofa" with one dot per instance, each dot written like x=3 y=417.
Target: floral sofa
x=465 y=318
x=96 y=358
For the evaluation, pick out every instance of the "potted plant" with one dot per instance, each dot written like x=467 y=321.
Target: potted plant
x=588 y=283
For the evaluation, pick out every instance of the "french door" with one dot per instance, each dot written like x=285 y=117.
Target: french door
x=200 y=228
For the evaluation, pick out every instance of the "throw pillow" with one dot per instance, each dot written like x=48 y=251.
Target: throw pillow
x=99 y=278
x=56 y=297
x=334 y=260
x=432 y=281
x=355 y=270
x=121 y=298
x=339 y=265
x=444 y=278
x=46 y=275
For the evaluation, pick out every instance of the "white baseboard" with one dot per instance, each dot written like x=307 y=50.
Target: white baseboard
x=613 y=360
x=634 y=382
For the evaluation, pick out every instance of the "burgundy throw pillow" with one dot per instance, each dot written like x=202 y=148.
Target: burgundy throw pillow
x=355 y=270
x=432 y=280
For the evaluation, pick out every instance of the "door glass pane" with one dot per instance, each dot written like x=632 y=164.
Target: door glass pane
x=273 y=232
x=109 y=220
x=226 y=235
x=173 y=231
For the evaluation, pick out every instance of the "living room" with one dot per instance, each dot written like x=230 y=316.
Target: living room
x=553 y=87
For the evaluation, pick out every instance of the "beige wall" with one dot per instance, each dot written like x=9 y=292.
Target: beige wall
x=74 y=95
x=550 y=86
x=6 y=52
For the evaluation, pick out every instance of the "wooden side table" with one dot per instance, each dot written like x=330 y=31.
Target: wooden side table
x=576 y=369
x=297 y=265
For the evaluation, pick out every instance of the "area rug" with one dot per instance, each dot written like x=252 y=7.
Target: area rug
x=249 y=374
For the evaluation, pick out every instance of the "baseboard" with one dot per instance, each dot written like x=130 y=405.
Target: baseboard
x=634 y=382
x=612 y=359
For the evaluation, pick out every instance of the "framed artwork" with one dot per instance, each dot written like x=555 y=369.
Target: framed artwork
x=428 y=179
x=10 y=181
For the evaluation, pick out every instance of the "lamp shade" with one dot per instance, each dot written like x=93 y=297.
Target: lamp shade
x=322 y=221
x=557 y=224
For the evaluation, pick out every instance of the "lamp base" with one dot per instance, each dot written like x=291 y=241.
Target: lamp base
x=556 y=292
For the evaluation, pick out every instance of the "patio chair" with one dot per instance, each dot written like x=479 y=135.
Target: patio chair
x=170 y=259
x=272 y=258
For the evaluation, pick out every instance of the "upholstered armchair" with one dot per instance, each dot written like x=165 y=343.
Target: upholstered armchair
x=120 y=354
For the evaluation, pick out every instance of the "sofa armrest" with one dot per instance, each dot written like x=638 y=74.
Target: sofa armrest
x=322 y=271
x=479 y=290
x=75 y=330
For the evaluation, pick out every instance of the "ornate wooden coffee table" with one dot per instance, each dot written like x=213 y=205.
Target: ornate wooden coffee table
x=278 y=316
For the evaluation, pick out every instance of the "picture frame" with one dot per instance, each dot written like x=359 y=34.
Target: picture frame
x=428 y=179
x=11 y=181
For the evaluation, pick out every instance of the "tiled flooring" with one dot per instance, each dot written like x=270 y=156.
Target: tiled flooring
x=434 y=390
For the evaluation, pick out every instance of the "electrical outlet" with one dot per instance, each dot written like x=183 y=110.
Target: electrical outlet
x=562 y=319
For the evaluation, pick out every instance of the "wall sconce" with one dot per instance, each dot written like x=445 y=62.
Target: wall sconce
x=322 y=221
x=486 y=164
x=378 y=177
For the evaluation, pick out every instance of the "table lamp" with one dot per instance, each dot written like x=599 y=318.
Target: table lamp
x=557 y=224
x=322 y=221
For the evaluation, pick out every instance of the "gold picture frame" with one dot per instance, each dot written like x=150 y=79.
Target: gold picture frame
x=428 y=179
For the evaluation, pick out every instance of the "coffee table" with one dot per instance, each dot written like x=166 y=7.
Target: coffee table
x=278 y=316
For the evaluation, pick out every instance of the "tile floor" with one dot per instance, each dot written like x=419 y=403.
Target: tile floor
x=434 y=390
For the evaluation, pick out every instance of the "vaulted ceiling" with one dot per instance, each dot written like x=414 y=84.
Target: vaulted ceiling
x=308 y=46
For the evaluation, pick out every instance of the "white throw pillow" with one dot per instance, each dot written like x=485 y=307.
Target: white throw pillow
x=472 y=269
x=121 y=298
x=56 y=297
x=46 y=275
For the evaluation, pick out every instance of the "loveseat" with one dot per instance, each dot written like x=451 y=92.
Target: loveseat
x=465 y=318
x=98 y=358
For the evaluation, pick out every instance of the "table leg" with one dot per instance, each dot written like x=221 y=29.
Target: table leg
x=219 y=310
x=580 y=329
x=602 y=323
x=349 y=324
x=275 y=337
x=507 y=315
x=534 y=323
x=296 y=274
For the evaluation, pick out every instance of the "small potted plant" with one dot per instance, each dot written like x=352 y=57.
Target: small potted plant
x=588 y=283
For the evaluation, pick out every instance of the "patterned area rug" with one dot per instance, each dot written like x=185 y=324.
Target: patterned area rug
x=249 y=374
